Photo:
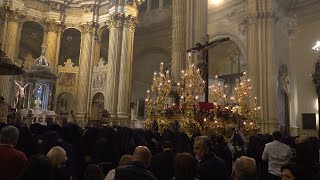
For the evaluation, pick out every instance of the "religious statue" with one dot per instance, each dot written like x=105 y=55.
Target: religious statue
x=20 y=94
x=202 y=54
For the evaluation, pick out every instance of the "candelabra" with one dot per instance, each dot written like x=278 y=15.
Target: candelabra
x=218 y=95
x=191 y=85
x=161 y=87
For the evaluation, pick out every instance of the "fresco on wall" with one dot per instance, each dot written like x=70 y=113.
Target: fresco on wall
x=67 y=79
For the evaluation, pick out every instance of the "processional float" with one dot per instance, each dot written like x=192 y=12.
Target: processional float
x=228 y=110
x=34 y=99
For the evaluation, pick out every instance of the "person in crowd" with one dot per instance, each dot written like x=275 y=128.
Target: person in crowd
x=162 y=164
x=38 y=167
x=289 y=172
x=93 y=172
x=185 y=167
x=305 y=158
x=137 y=170
x=277 y=154
x=221 y=149
x=58 y=158
x=12 y=161
x=237 y=144
x=244 y=169
x=209 y=165
x=125 y=160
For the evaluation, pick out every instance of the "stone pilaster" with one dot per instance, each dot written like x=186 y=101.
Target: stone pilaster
x=262 y=63
x=178 y=53
x=124 y=96
x=13 y=21
x=84 y=66
x=115 y=25
x=52 y=30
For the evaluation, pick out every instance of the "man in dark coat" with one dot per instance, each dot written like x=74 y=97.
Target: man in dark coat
x=210 y=166
x=137 y=170
x=162 y=164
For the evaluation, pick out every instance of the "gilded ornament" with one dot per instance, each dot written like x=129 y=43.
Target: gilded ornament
x=115 y=21
x=52 y=25
x=87 y=28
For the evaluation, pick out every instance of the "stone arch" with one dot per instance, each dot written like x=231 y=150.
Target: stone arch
x=66 y=101
x=70 y=45
x=236 y=39
x=31 y=39
x=97 y=105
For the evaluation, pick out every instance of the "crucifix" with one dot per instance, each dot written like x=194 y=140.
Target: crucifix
x=203 y=58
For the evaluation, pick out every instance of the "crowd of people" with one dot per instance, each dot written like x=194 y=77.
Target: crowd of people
x=97 y=153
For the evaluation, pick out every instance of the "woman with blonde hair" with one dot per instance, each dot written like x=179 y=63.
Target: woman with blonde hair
x=125 y=159
x=58 y=158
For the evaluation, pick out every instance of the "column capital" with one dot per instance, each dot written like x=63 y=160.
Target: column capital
x=115 y=21
x=87 y=28
x=130 y=23
x=14 y=15
x=53 y=26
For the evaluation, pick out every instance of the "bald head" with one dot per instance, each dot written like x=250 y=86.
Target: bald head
x=142 y=154
x=245 y=169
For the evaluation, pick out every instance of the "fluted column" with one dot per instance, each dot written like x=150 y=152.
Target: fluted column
x=85 y=58
x=178 y=37
x=200 y=21
x=262 y=63
x=124 y=96
x=52 y=30
x=13 y=19
x=115 y=24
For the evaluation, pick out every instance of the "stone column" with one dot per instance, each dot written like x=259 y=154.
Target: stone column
x=200 y=26
x=115 y=24
x=52 y=30
x=149 y=5
x=84 y=69
x=13 y=19
x=178 y=37
x=262 y=64
x=160 y=4
x=124 y=96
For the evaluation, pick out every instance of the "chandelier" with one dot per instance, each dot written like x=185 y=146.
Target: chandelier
x=191 y=86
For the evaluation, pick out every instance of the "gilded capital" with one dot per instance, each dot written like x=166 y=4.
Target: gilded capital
x=14 y=15
x=115 y=21
x=87 y=28
x=53 y=26
x=131 y=22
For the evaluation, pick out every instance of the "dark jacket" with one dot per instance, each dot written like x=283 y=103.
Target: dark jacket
x=162 y=165
x=133 y=171
x=212 y=168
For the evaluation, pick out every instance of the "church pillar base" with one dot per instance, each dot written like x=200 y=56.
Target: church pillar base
x=294 y=130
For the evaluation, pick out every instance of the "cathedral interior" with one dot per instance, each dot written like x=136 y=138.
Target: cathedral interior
x=101 y=55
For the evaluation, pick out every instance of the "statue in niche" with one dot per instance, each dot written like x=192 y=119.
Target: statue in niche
x=19 y=94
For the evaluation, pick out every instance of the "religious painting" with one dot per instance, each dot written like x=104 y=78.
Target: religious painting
x=67 y=79
x=99 y=80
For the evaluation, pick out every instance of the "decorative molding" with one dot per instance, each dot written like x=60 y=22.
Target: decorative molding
x=37 y=5
x=14 y=15
x=52 y=25
x=87 y=28
x=115 y=21
x=130 y=22
x=70 y=74
x=99 y=77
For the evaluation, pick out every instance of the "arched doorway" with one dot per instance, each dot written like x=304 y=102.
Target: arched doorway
x=65 y=104
x=227 y=61
x=97 y=106
x=70 y=46
x=284 y=113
